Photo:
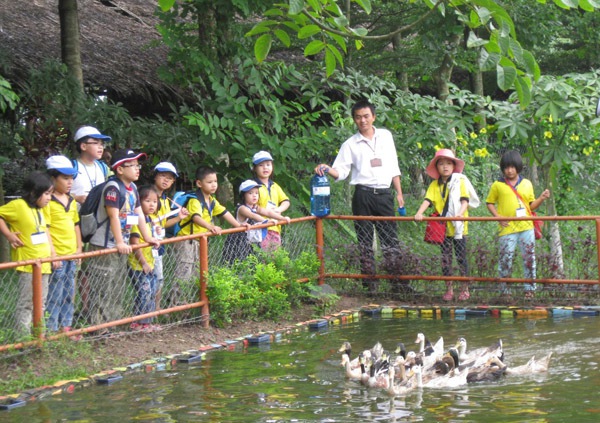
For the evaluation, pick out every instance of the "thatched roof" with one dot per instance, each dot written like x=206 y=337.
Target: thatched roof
x=119 y=46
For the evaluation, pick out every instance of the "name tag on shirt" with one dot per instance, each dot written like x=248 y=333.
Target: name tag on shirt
x=375 y=162
x=521 y=212
x=39 y=238
x=132 y=219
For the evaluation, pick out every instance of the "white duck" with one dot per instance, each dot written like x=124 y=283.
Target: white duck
x=479 y=356
x=407 y=386
x=532 y=366
x=351 y=373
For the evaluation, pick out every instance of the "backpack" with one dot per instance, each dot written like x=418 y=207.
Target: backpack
x=100 y=163
x=88 y=213
x=181 y=198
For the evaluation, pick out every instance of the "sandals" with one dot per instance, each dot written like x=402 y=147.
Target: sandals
x=464 y=295
x=448 y=296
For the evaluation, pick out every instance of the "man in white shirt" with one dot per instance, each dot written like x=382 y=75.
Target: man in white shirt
x=369 y=157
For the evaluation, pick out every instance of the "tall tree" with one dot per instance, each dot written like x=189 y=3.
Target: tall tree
x=70 y=47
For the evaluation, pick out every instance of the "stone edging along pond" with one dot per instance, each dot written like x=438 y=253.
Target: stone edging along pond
x=192 y=356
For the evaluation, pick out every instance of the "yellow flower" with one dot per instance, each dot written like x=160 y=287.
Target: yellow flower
x=438 y=147
x=483 y=131
x=481 y=152
x=547 y=134
x=588 y=150
x=596 y=142
x=464 y=142
x=419 y=145
x=574 y=137
x=550 y=119
x=473 y=135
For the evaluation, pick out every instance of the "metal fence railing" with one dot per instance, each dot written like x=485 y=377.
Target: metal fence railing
x=566 y=268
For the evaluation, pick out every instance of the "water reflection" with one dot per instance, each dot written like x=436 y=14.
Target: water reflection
x=300 y=379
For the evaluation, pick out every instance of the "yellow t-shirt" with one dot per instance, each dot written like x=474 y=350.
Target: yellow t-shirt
x=28 y=221
x=434 y=195
x=197 y=207
x=62 y=230
x=269 y=197
x=507 y=203
x=146 y=251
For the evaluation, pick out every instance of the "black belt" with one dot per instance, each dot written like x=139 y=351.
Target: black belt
x=374 y=190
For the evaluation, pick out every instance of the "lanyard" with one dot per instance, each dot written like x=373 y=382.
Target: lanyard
x=95 y=181
x=37 y=219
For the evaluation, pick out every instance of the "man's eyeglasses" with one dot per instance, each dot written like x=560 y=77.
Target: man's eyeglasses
x=100 y=143
x=139 y=166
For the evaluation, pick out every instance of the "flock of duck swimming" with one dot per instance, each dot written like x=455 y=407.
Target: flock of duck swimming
x=431 y=367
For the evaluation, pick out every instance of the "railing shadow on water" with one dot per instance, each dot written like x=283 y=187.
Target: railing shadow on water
x=334 y=241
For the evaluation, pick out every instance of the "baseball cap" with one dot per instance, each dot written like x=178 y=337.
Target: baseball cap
x=125 y=155
x=166 y=167
x=261 y=156
x=91 y=132
x=247 y=185
x=62 y=164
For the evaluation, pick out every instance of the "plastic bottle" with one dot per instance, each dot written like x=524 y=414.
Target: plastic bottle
x=401 y=211
x=320 y=192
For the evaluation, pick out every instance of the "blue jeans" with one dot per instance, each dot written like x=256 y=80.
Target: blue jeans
x=145 y=293
x=61 y=294
x=508 y=244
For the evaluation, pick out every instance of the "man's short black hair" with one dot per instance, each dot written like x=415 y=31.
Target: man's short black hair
x=203 y=171
x=363 y=104
x=512 y=158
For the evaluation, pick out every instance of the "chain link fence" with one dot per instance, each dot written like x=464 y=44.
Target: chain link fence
x=568 y=251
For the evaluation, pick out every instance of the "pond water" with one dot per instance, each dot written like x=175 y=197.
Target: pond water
x=299 y=379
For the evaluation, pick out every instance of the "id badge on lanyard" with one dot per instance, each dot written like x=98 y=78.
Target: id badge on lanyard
x=39 y=238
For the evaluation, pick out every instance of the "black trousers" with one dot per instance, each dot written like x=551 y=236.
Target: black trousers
x=371 y=203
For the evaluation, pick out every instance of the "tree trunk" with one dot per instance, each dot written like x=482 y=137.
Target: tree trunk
x=444 y=72
x=477 y=87
x=69 y=38
x=556 y=254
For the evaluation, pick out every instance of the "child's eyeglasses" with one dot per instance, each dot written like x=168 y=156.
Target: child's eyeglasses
x=139 y=166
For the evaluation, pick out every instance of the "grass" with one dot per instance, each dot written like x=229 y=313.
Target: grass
x=52 y=362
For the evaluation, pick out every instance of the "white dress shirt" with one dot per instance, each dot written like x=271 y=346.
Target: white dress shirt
x=359 y=155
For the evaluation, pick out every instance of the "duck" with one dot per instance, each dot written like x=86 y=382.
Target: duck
x=492 y=370
x=346 y=349
x=479 y=356
x=351 y=373
x=447 y=363
x=453 y=379
x=429 y=353
x=401 y=349
x=531 y=367
x=379 y=374
x=399 y=367
x=402 y=389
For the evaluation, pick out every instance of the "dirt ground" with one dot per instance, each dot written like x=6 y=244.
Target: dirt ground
x=140 y=346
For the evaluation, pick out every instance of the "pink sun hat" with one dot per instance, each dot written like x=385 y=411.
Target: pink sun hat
x=444 y=153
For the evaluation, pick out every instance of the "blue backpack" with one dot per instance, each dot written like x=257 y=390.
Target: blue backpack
x=180 y=199
x=100 y=163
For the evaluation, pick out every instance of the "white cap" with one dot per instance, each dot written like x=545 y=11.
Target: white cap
x=261 y=156
x=166 y=167
x=247 y=185
x=62 y=164
x=91 y=132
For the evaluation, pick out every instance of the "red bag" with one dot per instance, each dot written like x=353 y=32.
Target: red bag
x=537 y=226
x=435 y=231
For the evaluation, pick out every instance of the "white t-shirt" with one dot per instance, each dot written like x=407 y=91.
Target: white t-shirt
x=88 y=177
